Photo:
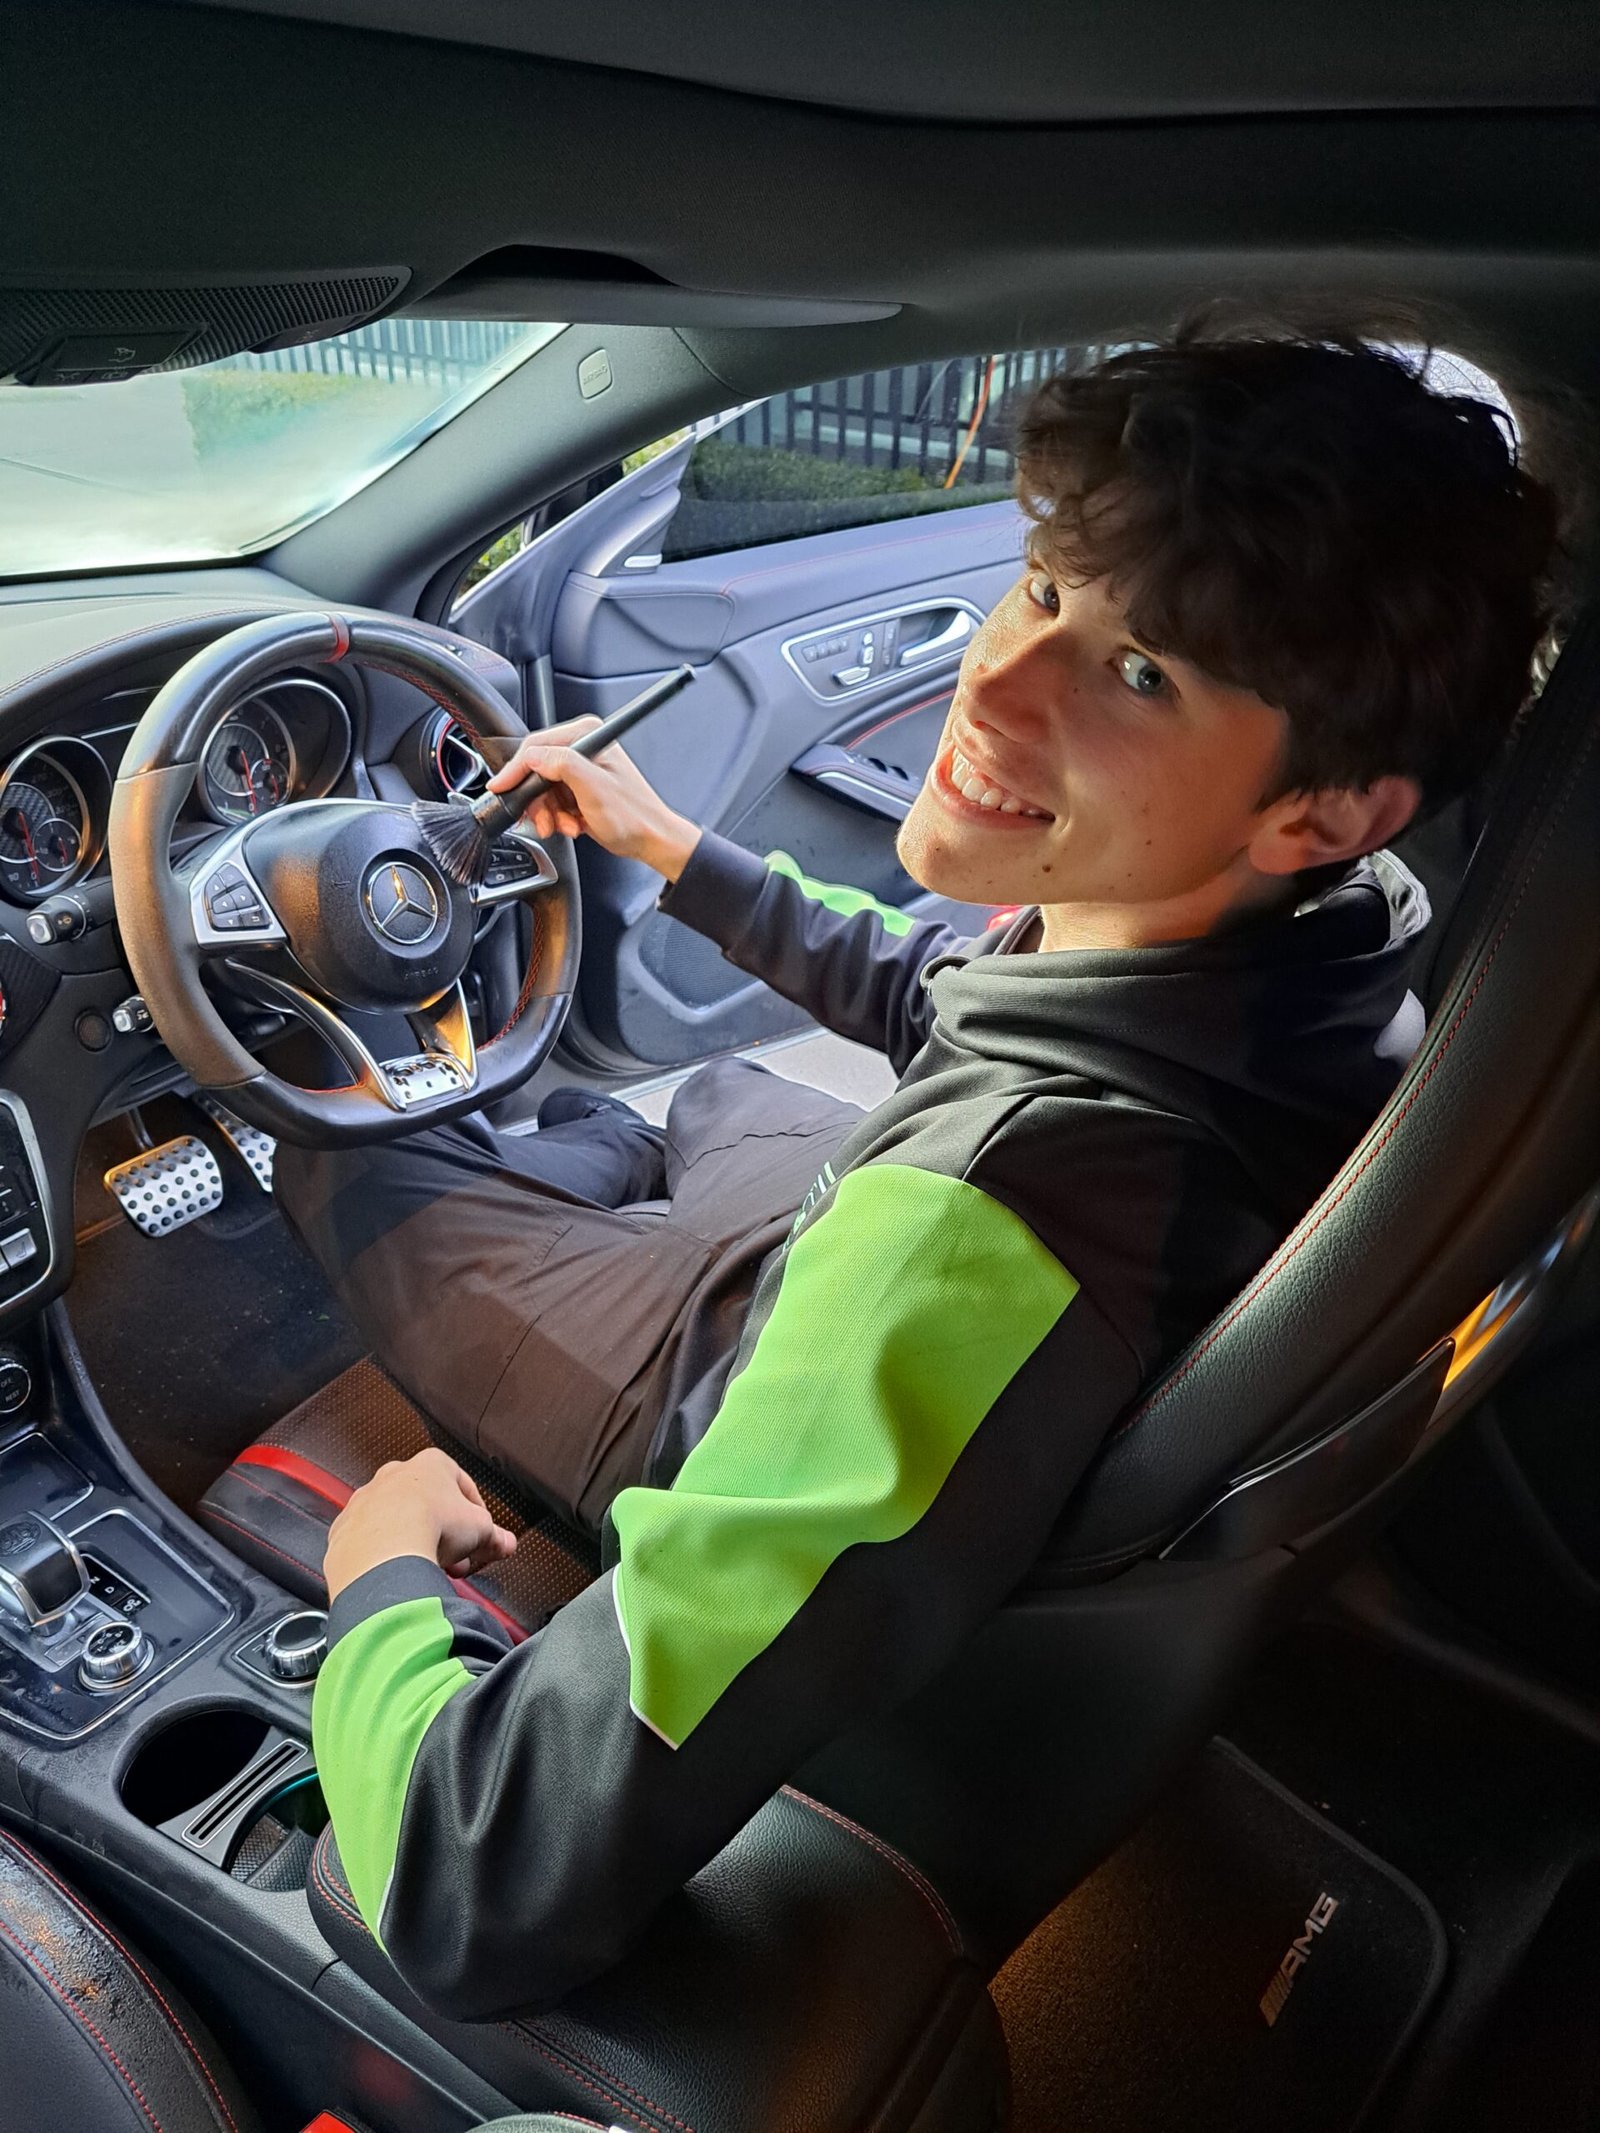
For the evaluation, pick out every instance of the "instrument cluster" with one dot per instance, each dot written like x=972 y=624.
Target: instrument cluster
x=290 y=740
x=54 y=800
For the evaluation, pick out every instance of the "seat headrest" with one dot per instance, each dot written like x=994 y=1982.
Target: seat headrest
x=1492 y=1134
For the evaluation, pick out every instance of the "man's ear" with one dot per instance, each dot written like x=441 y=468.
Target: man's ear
x=1317 y=829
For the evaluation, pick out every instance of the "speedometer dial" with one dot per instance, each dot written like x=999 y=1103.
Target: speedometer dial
x=249 y=766
x=44 y=827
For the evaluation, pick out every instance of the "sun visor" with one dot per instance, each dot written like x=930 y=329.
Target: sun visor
x=604 y=289
x=96 y=336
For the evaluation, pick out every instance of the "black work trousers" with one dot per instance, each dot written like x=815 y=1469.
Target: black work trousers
x=516 y=1288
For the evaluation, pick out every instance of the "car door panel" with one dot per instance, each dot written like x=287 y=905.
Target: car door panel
x=727 y=753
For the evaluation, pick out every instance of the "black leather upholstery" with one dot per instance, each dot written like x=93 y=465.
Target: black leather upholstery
x=1491 y=1136
x=808 y=1981
x=1018 y=1769
x=89 y=2037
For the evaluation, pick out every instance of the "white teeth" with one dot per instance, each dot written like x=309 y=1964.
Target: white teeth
x=973 y=786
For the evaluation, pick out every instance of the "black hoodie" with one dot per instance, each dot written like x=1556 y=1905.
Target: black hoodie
x=1087 y=1154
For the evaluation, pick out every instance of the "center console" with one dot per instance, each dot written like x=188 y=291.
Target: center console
x=155 y=1744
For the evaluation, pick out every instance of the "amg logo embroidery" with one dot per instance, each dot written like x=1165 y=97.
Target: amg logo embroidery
x=1272 y=2000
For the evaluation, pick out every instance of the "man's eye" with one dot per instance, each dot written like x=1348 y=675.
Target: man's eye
x=1042 y=592
x=1141 y=675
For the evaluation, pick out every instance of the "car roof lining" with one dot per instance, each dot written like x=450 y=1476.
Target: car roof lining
x=1036 y=60
x=185 y=144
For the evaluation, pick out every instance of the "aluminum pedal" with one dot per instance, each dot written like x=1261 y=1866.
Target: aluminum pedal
x=254 y=1148
x=168 y=1186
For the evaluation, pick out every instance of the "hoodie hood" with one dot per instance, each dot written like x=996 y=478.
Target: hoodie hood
x=1283 y=1037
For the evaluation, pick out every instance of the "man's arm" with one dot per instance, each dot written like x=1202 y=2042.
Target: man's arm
x=885 y=1467
x=853 y=963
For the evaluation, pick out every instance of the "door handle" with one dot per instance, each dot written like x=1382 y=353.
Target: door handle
x=941 y=644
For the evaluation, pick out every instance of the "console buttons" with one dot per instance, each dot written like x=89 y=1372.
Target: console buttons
x=16 y=1382
x=510 y=861
x=115 y=1592
x=296 y=1646
x=113 y=1654
x=232 y=904
x=18 y=1248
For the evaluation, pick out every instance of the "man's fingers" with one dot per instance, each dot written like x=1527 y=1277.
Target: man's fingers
x=469 y=1488
x=495 y=1546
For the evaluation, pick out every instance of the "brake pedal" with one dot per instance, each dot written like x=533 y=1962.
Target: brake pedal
x=254 y=1148
x=168 y=1186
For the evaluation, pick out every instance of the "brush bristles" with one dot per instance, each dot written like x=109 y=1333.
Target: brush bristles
x=456 y=839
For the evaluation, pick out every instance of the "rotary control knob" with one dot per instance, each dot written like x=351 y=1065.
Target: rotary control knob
x=113 y=1654
x=16 y=1381
x=296 y=1646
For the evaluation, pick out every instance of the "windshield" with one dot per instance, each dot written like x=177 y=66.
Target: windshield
x=191 y=466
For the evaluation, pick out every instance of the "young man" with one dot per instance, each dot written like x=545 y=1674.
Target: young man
x=1276 y=596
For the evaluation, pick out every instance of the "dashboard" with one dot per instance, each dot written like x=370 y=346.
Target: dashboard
x=79 y=664
x=289 y=741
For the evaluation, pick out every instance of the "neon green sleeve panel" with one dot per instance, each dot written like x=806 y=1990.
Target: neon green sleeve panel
x=846 y=902
x=380 y=1688
x=904 y=1311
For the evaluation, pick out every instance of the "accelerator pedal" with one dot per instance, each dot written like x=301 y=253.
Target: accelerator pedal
x=254 y=1148
x=162 y=1189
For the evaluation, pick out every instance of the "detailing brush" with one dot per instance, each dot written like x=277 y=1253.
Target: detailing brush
x=461 y=832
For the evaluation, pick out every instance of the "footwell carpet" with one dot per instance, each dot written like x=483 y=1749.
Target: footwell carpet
x=1239 y=1964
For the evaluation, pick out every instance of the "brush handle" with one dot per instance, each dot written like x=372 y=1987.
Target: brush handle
x=496 y=811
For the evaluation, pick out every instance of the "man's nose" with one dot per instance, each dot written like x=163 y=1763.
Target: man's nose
x=1010 y=679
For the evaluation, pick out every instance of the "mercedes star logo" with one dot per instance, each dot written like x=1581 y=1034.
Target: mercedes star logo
x=401 y=900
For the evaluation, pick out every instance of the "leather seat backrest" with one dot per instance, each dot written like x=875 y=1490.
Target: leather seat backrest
x=1491 y=1136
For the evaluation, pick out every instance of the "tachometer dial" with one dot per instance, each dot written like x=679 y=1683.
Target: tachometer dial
x=44 y=827
x=248 y=767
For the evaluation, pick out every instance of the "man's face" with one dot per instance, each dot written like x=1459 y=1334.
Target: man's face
x=1077 y=768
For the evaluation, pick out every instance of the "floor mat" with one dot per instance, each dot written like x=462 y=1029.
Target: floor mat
x=197 y=1340
x=1239 y=1964
x=1539 y=2060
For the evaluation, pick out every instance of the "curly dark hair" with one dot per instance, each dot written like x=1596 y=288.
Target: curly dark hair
x=1303 y=517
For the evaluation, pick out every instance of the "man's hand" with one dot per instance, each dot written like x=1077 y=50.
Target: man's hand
x=424 y=1505
x=608 y=799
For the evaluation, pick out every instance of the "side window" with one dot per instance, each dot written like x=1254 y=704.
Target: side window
x=890 y=444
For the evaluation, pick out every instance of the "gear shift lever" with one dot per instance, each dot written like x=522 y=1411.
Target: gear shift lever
x=41 y=1571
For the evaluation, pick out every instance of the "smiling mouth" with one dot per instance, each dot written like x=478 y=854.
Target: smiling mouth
x=960 y=784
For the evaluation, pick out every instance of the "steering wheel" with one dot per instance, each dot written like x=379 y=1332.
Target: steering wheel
x=329 y=905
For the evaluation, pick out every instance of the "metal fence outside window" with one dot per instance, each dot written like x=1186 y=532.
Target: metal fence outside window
x=439 y=352
x=917 y=418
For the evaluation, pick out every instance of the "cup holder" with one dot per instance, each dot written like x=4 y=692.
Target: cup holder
x=185 y=1763
x=233 y=1788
